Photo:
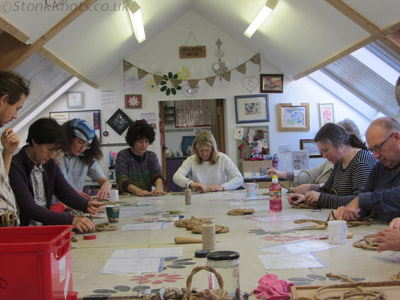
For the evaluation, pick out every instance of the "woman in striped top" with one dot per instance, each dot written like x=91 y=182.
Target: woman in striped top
x=352 y=165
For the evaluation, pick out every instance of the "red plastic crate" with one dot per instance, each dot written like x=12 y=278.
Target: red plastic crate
x=35 y=263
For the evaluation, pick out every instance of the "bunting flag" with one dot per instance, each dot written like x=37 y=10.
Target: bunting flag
x=241 y=68
x=157 y=79
x=193 y=83
x=141 y=73
x=210 y=80
x=256 y=59
x=175 y=82
x=127 y=65
x=227 y=76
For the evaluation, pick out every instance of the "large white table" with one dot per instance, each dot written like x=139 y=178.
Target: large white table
x=90 y=256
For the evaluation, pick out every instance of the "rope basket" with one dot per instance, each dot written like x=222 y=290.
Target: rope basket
x=219 y=294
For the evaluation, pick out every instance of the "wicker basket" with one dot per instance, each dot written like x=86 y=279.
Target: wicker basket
x=207 y=294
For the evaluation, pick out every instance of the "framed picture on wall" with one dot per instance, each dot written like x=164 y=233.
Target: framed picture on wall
x=271 y=83
x=311 y=147
x=293 y=117
x=251 y=109
x=133 y=101
x=326 y=113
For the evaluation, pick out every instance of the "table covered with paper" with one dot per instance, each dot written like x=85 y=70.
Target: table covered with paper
x=141 y=257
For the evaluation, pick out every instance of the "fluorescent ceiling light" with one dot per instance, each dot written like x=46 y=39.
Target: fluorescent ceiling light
x=261 y=17
x=135 y=14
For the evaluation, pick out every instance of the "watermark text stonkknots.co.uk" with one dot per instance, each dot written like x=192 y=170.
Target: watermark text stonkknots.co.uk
x=61 y=6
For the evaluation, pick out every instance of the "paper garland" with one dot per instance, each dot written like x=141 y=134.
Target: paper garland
x=256 y=59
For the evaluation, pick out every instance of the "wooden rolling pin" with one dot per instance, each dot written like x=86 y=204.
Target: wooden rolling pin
x=186 y=240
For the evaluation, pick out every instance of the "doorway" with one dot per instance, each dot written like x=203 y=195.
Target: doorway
x=180 y=122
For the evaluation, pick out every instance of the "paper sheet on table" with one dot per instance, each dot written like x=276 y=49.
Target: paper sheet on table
x=285 y=261
x=255 y=207
x=278 y=226
x=134 y=210
x=260 y=202
x=148 y=252
x=281 y=218
x=301 y=247
x=146 y=226
x=134 y=265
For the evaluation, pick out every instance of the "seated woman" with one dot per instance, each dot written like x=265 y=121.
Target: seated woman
x=137 y=169
x=352 y=165
x=35 y=177
x=79 y=157
x=208 y=169
x=316 y=177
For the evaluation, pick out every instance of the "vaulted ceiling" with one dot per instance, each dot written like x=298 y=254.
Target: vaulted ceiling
x=89 y=41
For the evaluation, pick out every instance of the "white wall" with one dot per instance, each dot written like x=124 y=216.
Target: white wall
x=160 y=55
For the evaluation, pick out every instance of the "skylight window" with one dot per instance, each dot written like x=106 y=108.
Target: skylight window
x=376 y=64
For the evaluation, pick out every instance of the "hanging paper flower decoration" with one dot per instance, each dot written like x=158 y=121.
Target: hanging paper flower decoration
x=184 y=74
x=151 y=86
x=167 y=86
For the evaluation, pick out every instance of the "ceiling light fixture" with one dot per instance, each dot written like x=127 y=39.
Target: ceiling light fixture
x=261 y=17
x=135 y=14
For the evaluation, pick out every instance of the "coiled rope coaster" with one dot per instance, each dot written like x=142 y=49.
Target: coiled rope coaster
x=209 y=294
x=367 y=243
x=9 y=219
x=358 y=292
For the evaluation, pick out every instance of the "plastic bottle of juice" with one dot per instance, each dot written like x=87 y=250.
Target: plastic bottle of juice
x=275 y=196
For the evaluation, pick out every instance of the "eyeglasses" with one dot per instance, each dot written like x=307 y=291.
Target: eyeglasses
x=83 y=144
x=378 y=148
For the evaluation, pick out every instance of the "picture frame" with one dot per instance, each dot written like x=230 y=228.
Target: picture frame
x=326 y=113
x=311 y=147
x=75 y=100
x=133 y=101
x=251 y=109
x=293 y=117
x=271 y=83
x=119 y=121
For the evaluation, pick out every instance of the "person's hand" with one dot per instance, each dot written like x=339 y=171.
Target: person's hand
x=158 y=191
x=93 y=207
x=198 y=186
x=296 y=199
x=302 y=189
x=83 y=224
x=103 y=192
x=9 y=140
x=215 y=188
x=84 y=194
x=395 y=223
x=142 y=193
x=349 y=212
x=280 y=174
x=390 y=239
x=312 y=197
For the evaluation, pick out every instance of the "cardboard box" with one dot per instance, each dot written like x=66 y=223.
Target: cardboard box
x=255 y=166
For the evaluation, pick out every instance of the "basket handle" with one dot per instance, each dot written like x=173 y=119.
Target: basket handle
x=198 y=269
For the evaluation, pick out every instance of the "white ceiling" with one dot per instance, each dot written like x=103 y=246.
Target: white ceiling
x=299 y=35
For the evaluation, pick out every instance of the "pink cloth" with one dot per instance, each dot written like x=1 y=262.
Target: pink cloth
x=272 y=288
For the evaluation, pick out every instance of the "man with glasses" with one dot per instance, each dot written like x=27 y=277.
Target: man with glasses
x=381 y=195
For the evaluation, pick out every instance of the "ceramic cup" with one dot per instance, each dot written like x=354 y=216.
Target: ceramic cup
x=251 y=189
x=337 y=232
x=114 y=196
x=112 y=213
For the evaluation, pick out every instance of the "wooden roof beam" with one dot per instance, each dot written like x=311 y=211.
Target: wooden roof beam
x=13 y=58
x=391 y=32
x=14 y=31
x=62 y=64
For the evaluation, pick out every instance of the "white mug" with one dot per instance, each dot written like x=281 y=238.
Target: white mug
x=114 y=196
x=251 y=189
x=337 y=232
